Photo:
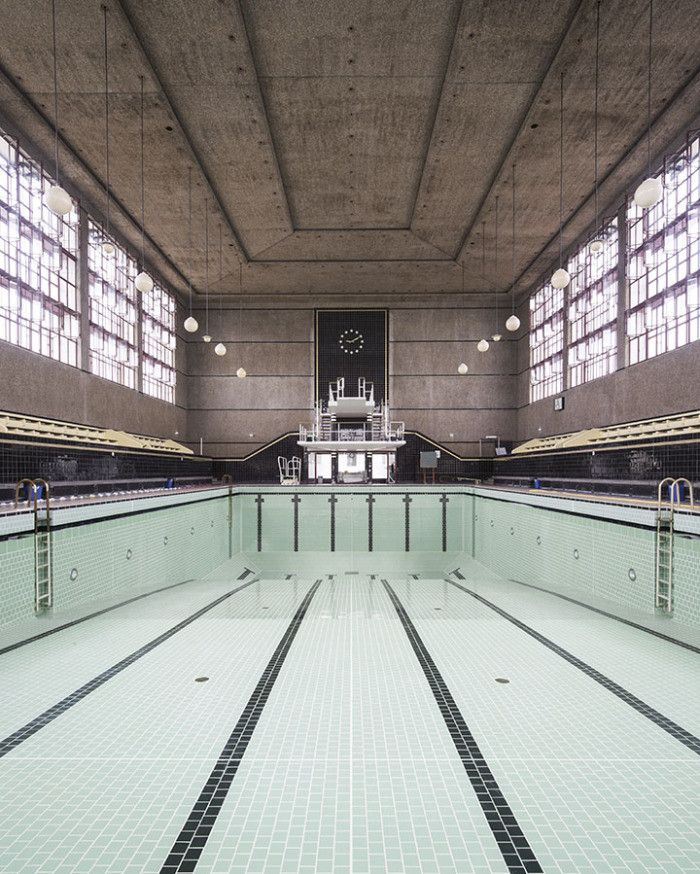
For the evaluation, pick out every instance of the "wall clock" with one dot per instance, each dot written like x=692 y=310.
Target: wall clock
x=351 y=341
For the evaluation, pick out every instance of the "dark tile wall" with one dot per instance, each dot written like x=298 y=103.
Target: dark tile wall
x=67 y=465
x=633 y=469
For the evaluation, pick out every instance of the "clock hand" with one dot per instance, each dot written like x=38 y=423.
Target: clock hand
x=353 y=341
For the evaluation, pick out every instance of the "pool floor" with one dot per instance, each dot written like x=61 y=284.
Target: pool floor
x=347 y=724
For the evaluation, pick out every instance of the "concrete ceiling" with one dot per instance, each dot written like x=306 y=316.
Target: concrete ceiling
x=351 y=148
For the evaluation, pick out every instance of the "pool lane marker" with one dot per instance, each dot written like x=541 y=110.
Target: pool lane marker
x=26 y=731
x=190 y=843
x=681 y=734
x=515 y=849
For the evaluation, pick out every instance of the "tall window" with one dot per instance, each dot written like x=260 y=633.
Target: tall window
x=664 y=262
x=39 y=300
x=158 y=338
x=113 y=310
x=593 y=309
x=546 y=342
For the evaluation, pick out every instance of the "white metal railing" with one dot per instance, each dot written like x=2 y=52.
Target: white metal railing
x=334 y=432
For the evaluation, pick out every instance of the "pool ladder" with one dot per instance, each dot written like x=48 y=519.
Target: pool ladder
x=663 y=586
x=43 y=564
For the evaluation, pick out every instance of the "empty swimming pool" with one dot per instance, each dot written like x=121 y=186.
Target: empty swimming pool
x=322 y=680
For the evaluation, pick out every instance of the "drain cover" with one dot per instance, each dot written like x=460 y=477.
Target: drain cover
x=502 y=680
x=437 y=608
x=201 y=679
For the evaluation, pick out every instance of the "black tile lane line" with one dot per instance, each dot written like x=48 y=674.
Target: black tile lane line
x=190 y=843
x=12 y=741
x=80 y=619
x=629 y=622
x=685 y=737
x=514 y=847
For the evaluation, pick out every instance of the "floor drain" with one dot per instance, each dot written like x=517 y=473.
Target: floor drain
x=437 y=608
x=201 y=679
x=266 y=608
x=502 y=680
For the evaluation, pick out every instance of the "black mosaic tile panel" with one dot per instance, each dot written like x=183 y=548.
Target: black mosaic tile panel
x=31 y=728
x=515 y=849
x=190 y=843
x=58 y=464
x=685 y=737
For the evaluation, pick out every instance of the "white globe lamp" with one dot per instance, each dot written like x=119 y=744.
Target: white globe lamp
x=108 y=248
x=191 y=324
x=512 y=323
x=220 y=349
x=560 y=278
x=240 y=373
x=206 y=338
x=496 y=338
x=648 y=192
x=58 y=200
x=143 y=282
x=462 y=369
x=482 y=345
x=596 y=246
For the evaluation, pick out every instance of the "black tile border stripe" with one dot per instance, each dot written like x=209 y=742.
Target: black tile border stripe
x=681 y=734
x=72 y=622
x=26 y=731
x=190 y=843
x=629 y=622
x=514 y=846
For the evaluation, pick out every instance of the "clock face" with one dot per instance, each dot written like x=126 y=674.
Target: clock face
x=351 y=341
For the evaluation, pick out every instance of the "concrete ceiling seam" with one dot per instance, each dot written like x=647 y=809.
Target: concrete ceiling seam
x=266 y=113
x=430 y=131
x=639 y=144
x=241 y=251
x=70 y=149
x=506 y=152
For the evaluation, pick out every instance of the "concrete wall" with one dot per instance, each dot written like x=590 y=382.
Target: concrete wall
x=36 y=385
x=276 y=348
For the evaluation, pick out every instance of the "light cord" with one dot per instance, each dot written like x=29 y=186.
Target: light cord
x=595 y=115
x=561 y=170
x=104 y=11
x=143 y=187
x=55 y=90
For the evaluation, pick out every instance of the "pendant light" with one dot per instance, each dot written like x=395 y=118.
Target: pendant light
x=597 y=244
x=191 y=324
x=207 y=335
x=483 y=344
x=107 y=244
x=57 y=199
x=497 y=336
x=651 y=189
x=220 y=349
x=513 y=322
x=241 y=372
x=560 y=277
x=462 y=369
x=143 y=281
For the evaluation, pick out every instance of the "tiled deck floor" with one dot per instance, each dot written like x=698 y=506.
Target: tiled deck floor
x=349 y=764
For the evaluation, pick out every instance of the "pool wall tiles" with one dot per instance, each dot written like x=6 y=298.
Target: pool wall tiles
x=604 y=561
x=353 y=523
x=113 y=559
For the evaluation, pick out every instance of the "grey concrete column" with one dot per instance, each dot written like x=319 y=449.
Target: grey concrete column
x=83 y=290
